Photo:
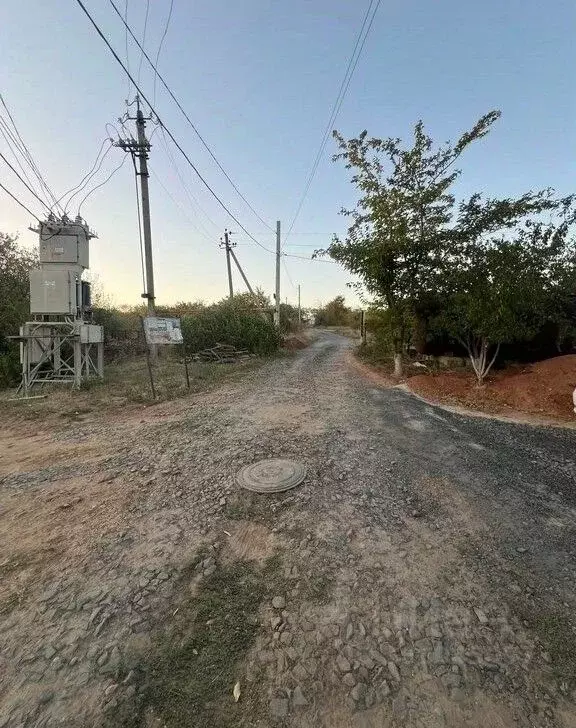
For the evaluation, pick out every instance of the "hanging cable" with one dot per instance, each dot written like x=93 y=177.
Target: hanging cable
x=139 y=223
x=40 y=200
x=351 y=67
x=88 y=179
x=160 y=49
x=18 y=201
x=10 y=145
x=85 y=176
x=172 y=137
x=288 y=274
x=144 y=38
x=126 y=41
x=112 y=173
x=193 y=201
x=188 y=119
x=314 y=260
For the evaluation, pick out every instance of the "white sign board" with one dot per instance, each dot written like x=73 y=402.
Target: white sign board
x=162 y=330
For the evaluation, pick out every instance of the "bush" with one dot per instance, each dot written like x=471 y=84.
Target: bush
x=226 y=324
x=10 y=367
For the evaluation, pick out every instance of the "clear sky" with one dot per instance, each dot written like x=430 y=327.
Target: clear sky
x=258 y=79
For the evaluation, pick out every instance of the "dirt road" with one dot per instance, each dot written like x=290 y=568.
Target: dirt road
x=423 y=575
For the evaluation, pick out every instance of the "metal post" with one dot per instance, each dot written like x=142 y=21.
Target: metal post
x=277 y=311
x=77 y=362
x=186 y=365
x=299 y=309
x=100 y=360
x=363 y=326
x=148 y=362
x=228 y=265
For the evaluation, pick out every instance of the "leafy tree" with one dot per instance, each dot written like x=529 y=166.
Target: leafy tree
x=504 y=289
x=334 y=313
x=15 y=264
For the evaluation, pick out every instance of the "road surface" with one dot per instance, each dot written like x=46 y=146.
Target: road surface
x=425 y=568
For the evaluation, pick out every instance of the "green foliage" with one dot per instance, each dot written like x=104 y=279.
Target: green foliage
x=15 y=264
x=228 y=323
x=335 y=313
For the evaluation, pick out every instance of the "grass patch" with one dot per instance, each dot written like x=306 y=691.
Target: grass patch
x=186 y=679
x=555 y=632
x=125 y=383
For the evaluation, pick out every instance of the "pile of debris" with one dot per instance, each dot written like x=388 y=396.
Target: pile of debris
x=222 y=353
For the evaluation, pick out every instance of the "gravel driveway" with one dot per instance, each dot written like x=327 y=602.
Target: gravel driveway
x=423 y=575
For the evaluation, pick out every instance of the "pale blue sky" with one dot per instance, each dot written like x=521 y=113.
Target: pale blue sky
x=258 y=79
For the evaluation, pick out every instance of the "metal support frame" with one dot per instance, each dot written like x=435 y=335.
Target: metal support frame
x=52 y=352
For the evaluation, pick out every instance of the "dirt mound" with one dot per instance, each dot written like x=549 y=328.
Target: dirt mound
x=293 y=343
x=544 y=389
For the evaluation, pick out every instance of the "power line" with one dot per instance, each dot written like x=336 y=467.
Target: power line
x=27 y=155
x=160 y=49
x=126 y=41
x=314 y=260
x=144 y=38
x=188 y=119
x=8 y=138
x=18 y=201
x=351 y=67
x=287 y=273
x=186 y=157
x=112 y=173
x=40 y=200
x=79 y=185
x=89 y=177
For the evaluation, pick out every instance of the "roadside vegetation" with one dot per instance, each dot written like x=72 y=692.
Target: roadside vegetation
x=489 y=278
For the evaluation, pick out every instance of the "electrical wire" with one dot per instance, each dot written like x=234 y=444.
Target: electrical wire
x=88 y=179
x=144 y=38
x=139 y=223
x=188 y=119
x=7 y=191
x=112 y=173
x=9 y=143
x=288 y=274
x=40 y=200
x=26 y=153
x=172 y=137
x=193 y=201
x=126 y=41
x=160 y=49
x=351 y=67
x=314 y=260
x=72 y=189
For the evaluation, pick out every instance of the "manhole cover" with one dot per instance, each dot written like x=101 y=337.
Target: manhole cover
x=271 y=476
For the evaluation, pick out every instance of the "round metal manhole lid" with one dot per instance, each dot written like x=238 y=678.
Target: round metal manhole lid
x=271 y=476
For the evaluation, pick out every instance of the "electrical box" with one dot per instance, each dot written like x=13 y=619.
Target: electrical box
x=53 y=291
x=91 y=334
x=64 y=243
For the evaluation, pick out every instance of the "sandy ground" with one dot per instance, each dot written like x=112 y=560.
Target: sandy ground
x=426 y=566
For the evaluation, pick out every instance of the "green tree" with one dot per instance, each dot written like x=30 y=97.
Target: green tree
x=504 y=289
x=397 y=239
x=334 y=313
x=15 y=264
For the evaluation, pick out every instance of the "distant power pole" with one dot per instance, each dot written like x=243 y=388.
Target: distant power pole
x=277 y=311
x=299 y=309
x=227 y=246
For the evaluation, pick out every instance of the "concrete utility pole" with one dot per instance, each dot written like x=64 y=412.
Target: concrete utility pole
x=277 y=311
x=299 y=309
x=228 y=249
x=235 y=259
x=139 y=149
x=144 y=148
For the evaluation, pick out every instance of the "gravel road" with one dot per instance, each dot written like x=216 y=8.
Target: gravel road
x=426 y=577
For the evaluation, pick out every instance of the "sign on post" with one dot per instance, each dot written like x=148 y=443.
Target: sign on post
x=160 y=331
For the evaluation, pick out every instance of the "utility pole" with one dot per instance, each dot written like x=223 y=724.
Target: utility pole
x=299 y=310
x=246 y=281
x=277 y=311
x=139 y=149
x=227 y=246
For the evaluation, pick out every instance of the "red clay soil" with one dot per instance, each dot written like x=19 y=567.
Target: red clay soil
x=543 y=389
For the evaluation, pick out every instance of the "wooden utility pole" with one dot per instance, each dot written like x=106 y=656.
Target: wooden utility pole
x=277 y=311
